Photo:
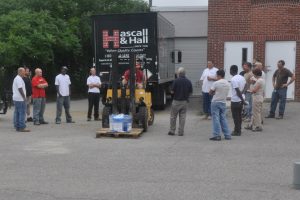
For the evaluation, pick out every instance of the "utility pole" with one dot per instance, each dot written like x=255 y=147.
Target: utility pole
x=150 y=3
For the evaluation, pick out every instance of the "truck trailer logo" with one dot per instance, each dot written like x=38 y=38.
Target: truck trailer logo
x=115 y=39
x=125 y=38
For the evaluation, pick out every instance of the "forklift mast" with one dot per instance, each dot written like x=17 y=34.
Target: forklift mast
x=115 y=86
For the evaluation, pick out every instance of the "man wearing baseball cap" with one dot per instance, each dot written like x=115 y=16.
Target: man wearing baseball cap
x=63 y=83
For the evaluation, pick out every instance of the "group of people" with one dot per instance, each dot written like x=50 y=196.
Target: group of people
x=27 y=91
x=247 y=97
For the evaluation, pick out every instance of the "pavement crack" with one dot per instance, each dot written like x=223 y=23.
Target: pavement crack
x=47 y=194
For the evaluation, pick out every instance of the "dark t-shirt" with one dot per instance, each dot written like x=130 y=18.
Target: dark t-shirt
x=27 y=82
x=182 y=88
x=281 y=77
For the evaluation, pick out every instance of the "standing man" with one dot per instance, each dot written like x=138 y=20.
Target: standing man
x=238 y=83
x=280 y=84
x=63 y=83
x=257 y=90
x=94 y=83
x=39 y=97
x=181 y=89
x=208 y=77
x=27 y=82
x=219 y=90
x=248 y=75
x=19 y=98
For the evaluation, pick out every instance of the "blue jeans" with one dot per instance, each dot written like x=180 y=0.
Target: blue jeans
x=219 y=121
x=207 y=103
x=39 y=105
x=278 y=95
x=63 y=101
x=19 y=115
x=248 y=108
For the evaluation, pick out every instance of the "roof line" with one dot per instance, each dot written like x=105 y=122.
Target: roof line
x=179 y=8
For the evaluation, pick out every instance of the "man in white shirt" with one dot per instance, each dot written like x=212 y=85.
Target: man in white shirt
x=19 y=98
x=63 y=83
x=238 y=83
x=94 y=83
x=208 y=77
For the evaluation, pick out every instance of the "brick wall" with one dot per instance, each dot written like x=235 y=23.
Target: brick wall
x=253 y=20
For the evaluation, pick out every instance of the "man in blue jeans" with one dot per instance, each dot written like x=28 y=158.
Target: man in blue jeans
x=63 y=83
x=19 y=98
x=280 y=84
x=247 y=66
x=208 y=77
x=219 y=90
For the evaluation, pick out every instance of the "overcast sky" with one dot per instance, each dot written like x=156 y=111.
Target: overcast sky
x=180 y=2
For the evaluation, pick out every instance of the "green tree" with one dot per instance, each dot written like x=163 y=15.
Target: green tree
x=52 y=33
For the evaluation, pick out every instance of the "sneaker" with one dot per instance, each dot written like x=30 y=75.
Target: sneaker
x=270 y=116
x=70 y=122
x=36 y=123
x=170 y=133
x=227 y=137
x=236 y=133
x=88 y=119
x=279 y=117
x=97 y=119
x=58 y=122
x=180 y=134
x=257 y=129
x=29 y=119
x=23 y=130
x=44 y=122
x=216 y=138
x=248 y=127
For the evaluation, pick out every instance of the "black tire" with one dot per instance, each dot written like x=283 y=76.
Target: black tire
x=151 y=120
x=143 y=118
x=105 y=116
x=159 y=99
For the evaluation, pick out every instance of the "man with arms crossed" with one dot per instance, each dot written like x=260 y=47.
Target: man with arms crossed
x=208 y=77
x=94 y=83
x=39 y=97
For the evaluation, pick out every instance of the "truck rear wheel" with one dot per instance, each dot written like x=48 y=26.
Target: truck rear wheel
x=159 y=100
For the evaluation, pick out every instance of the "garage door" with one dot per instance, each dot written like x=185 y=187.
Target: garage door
x=194 y=58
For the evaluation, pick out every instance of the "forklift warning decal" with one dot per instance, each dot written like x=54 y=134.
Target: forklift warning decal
x=125 y=38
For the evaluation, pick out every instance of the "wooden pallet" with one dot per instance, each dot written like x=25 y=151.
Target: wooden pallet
x=105 y=132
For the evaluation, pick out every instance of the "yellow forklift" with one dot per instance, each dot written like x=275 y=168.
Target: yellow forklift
x=127 y=99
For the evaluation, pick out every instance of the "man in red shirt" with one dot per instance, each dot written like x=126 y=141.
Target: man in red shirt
x=39 y=97
x=139 y=76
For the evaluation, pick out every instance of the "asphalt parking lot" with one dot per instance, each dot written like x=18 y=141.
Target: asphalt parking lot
x=65 y=162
